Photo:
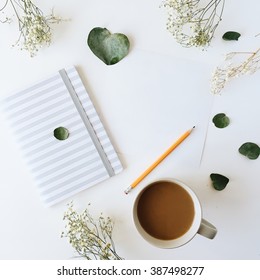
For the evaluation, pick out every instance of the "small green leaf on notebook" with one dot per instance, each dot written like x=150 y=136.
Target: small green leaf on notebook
x=221 y=120
x=110 y=48
x=219 y=181
x=61 y=133
x=250 y=150
x=231 y=36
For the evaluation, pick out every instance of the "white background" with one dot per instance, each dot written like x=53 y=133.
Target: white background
x=145 y=101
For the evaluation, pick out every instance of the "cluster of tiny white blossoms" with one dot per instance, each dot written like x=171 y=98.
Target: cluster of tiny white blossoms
x=190 y=24
x=231 y=69
x=92 y=239
x=36 y=33
x=34 y=26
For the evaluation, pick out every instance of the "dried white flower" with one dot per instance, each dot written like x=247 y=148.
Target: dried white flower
x=34 y=27
x=92 y=239
x=190 y=24
x=234 y=67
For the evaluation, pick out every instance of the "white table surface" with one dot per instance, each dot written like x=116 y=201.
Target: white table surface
x=136 y=99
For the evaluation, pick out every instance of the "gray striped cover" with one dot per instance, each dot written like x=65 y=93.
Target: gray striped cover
x=61 y=168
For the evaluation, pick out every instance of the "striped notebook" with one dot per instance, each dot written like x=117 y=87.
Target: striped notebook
x=61 y=168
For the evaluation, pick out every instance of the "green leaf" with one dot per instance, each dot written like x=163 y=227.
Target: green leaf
x=221 y=120
x=250 y=150
x=110 y=48
x=231 y=36
x=61 y=133
x=219 y=181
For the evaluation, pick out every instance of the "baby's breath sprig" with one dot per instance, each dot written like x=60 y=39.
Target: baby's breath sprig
x=234 y=67
x=34 y=26
x=92 y=239
x=192 y=25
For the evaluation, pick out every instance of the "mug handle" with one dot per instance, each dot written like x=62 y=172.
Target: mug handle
x=207 y=229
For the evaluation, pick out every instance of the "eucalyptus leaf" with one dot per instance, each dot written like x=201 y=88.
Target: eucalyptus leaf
x=250 y=150
x=231 y=36
x=219 y=181
x=110 y=48
x=61 y=133
x=221 y=120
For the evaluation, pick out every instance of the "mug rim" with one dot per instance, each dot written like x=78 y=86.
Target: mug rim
x=186 y=237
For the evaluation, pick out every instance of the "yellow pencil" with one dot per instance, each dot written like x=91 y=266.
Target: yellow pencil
x=160 y=159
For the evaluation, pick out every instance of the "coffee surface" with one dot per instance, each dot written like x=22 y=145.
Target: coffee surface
x=165 y=210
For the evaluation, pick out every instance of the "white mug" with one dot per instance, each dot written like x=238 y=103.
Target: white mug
x=198 y=225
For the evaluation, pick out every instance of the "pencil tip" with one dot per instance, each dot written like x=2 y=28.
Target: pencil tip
x=127 y=191
x=193 y=127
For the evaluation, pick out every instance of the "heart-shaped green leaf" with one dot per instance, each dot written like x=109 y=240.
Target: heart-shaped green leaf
x=250 y=150
x=231 y=36
x=110 y=48
x=221 y=120
x=219 y=181
x=61 y=133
